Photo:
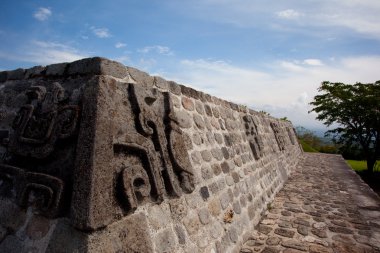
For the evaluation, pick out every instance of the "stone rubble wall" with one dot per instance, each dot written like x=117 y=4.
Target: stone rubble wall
x=221 y=163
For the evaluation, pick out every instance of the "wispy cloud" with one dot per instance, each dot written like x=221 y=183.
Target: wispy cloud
x=120 y=45
x=123 y=59
x=157 y=49
x=331 y=15
x=283 y=90
x=313 y=62
x=44 y=52
x=42 y=13
x=101 y=32
x=289 y=14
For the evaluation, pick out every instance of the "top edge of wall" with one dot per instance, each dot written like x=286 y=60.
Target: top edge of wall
x=103 y=66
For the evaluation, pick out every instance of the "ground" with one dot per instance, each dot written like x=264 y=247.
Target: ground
x=323 y=207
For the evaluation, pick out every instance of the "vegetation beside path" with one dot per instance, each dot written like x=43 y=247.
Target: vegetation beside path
x=310 y=142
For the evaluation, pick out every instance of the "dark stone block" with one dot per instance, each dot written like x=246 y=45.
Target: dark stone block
x=3 y=76
x=56 y=69
x=174 y=88
x=17 y=74
x=204 y=193
x=97 y=66
x=190 y=92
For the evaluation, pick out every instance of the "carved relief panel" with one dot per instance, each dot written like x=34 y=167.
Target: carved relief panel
x=255 y=141
x=33 y=172
x=43 y=120
x=279 y=135
x=156 y=163
x=292 y=135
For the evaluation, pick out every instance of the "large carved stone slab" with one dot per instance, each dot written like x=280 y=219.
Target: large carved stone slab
x=292 y=135
x=138 y=155
x=279 y=135
x=42 y=191
x=40 y=123
x=43 y=120
x=255 y=141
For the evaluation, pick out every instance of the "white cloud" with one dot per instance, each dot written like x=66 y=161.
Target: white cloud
x=120 y=45
x=101 y=32
x=45 y=52
x=285 y=90
x=42 y=13
x=313 y=62
x=330 y=16
x=123 y=59
x=157 y=48
x=289 y=14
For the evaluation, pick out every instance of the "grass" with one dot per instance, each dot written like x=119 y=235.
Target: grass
x=357 y=165
x=307 y=148
x=362 y=165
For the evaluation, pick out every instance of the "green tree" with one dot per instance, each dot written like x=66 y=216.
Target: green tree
x=355 y=110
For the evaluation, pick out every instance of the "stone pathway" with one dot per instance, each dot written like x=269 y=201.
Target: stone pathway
x=323 y=207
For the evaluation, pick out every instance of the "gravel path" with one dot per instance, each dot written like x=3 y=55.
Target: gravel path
x=323 y=207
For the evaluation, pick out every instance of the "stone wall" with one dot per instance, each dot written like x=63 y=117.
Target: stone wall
x=99 y=157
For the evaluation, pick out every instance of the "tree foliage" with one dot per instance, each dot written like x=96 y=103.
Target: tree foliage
x=355 y=110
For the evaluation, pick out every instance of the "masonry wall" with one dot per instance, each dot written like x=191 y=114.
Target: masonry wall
x=105 y=158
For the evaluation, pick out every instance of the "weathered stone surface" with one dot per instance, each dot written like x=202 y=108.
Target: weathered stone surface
x=206 y=155
x=303 y=230
x=165 y=241
x=183 y=119
x=192 y=223
x=341 y=230
x=199 y=122
x=270 y=250
x=181 y=235
x=204 y=193
x=315 y=248
x=284 y=232
x=264 y=229
x=37 y=227
x=214 y=207
x=187 y=103
x=294 y=245
x=127 y=162
x=207 y=172
x=56 y=69
x=204 y=216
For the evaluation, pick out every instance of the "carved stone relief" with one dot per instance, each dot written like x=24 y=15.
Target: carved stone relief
x=254 y=139
x=27 y=174
x=42 y=121
x=41 y=191
x=158 y=162
x=292 y=135
x=280 y=139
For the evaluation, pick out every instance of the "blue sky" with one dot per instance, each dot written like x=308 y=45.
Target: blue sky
x=269 y=55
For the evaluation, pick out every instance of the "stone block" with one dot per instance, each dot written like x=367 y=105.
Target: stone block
x=178 y=208
x=204 y=216
x=188 y=104
x=183 y=119
x=165 y=241
x=159 y=216
x=34 y=72
x=99 y=66
x=192 y=223
x=174 y=88
x=214 y=207
x=181 y=234
x=17 y=74
x=3 y=76
x=56 y=69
